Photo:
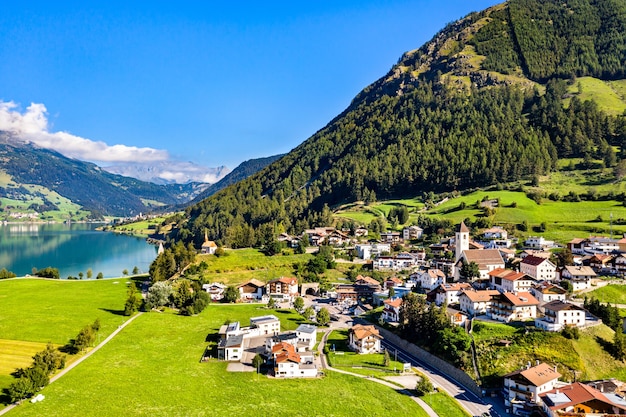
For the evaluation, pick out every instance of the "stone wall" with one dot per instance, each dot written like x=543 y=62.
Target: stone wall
x=433 y=361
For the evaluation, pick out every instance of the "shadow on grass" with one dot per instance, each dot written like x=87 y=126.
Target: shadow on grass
x=606 y=345
x=116 y=312
x=4 y=398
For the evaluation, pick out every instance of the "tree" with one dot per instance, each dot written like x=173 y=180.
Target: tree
x=392 y=292
x=386 y=359
x=80 y=275
x=89 y=273
x=619 y=345
x=257 y=362
x=125 y=272
x=158 y=295
x=49 y=359
x=231 y=294
x=135 y=270
x=423 y=387
x=4 y=274
x=298 y=304
x=99 y=276
x=301 y=248
x=133 y=302
x=20 y=389
x=470 y=271
x=84 y=339
x=271 y=303
x=323 y=317
x=308 y=313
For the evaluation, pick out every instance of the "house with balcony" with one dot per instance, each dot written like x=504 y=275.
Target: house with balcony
x=290 y=364
x=429 y=279
x=283 y=288
x=412 y=233
x=373 y=250
x=215 y=290
x=523 y=388
x=364 y=339
x=546 y=292
x=558 y=314
x=251 y=290
x=475 y=303
x=513 y=306
x=581 y=277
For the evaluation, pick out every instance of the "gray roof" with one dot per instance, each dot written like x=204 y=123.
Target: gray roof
x=306 y=328
x=234 y=341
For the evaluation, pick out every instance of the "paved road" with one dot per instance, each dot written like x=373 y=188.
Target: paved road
x=85 y=356
x=474 y=405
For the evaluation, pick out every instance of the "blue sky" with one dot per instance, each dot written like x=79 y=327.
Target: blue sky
x=214 y=83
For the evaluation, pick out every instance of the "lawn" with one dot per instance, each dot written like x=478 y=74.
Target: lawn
x=612 y=293
x=55 y=310
x=153 y=368
x=444 y=405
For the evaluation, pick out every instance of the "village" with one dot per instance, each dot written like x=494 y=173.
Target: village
x=492 y=278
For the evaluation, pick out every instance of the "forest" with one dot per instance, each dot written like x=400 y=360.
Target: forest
x=415 y=130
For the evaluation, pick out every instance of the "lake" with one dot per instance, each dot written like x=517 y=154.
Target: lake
x=72 y=249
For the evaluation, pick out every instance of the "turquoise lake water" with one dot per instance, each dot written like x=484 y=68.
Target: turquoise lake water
x=72 y=249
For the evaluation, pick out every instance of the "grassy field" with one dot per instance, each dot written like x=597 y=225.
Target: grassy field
x=612 y=293
x=140 y=228
x=366 y=364
x=444 y=405
x=242 y=264
x=16 y=354
x=55 y=310
x=603 y=93
x=153 y=368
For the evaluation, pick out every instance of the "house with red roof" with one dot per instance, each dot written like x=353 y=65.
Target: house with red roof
x=391 y=312
x=540 y=268
x=364 y=339
x=507 y=280
x=581 y=400
x=513 y=306
x=284 y=287
x=447 y=293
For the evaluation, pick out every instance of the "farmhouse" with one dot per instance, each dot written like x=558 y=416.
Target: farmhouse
x=215 y=290
x=580 y=277
x=475 y=303
x=545 y=292
x=391 y=312
x=251 y=290
x=430 y=279
x=509 y=306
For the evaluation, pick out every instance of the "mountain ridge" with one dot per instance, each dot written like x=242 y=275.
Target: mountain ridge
x=472 y=107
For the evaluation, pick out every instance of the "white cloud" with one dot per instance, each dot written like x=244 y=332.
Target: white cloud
x=32 y=125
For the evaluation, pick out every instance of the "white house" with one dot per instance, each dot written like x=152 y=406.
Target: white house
x=581 y=277
x=545 y=292
x=364 y=339
x=307 y=335
x=412 y=232
x=391 y=312
x=475 y=303
x=215 y=290
x=495 y=232
x=506 y=280
x=251 y=290
x=372 y=250
x=559 y=314
x=522 y=388
x=513 y=306
x=541 y=269
x=269 y=324
x=289 y=364
x=430 y=279
x=538 y=242
x=448 y=293
x=231 y=348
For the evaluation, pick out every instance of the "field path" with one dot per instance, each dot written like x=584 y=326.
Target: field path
x=320 y=350
x=85 y=356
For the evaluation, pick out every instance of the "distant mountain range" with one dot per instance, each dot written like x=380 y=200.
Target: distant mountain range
x=169 y=172
x=31 y=173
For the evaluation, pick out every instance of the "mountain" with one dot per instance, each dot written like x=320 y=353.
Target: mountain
x=243 y=171
x=28 y=172
x=169 y=172
x=494 y=97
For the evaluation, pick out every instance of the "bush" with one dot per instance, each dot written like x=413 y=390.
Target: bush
x=571 y=332
x=423 y=387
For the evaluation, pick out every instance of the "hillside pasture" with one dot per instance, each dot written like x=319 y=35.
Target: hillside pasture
x=612 y=293
x=153 y=368
x=16 y=354
x=606 y=94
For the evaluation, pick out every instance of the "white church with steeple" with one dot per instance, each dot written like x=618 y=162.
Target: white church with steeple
x=486 y=259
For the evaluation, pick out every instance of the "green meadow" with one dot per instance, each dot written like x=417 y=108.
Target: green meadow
x=612 y=293
x=608 y=95
x=240 y=265
x=38 y=310
x=153 y=368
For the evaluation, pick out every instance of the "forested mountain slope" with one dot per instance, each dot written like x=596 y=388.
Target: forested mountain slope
x=481 y=103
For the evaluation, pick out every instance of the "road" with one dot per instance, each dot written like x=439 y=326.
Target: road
x=474 y=405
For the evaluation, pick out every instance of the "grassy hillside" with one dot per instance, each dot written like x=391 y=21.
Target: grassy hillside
x=608 y=95
x=153 y=367
x=587 y=356
x=612 y=293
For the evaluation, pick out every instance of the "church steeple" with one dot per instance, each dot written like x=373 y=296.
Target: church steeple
x=461 y=240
